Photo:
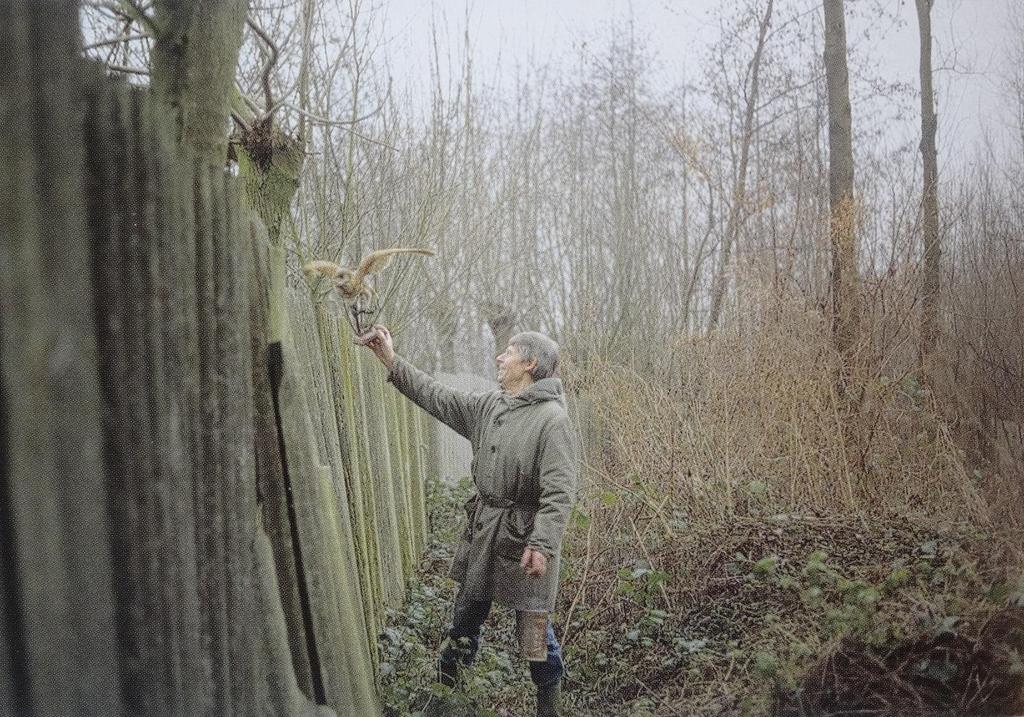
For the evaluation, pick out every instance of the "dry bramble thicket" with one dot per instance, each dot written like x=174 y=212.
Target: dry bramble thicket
x=729 y=503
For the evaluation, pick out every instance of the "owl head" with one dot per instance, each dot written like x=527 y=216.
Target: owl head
x=345 y=282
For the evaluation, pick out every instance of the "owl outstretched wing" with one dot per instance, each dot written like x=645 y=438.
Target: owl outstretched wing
x=377 y=260
x=325 y=268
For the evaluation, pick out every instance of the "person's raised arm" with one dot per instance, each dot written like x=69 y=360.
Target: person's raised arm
x=457 y=409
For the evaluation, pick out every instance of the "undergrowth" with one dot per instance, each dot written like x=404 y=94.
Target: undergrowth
x=497 y=684
x=733 y=619
x=734 y=616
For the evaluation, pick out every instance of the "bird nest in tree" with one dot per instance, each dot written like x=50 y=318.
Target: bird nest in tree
x=262 y=141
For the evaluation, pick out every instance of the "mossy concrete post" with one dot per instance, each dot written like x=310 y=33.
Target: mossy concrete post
x=327 y=378
x=367 y=473
x=390 y=405
x=372 y=398
x=280 y=691
x=389 y=401
x=431 y=456
x=57 y=622
x=270 y=465
x=416 y=477
x=366 y=552
x=404 y=477
x=339 y=652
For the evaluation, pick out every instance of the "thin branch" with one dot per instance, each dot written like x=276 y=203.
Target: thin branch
x=115 y=41
x=249 y=102
x=240 y=121
x=128 y=70
x=243 y=110
x=116 y=12
x=317 y=118
x=371 y=140
x=127 y=22
x=343 y=124
x=338 y=123
x=268 y=65
x=132 y=10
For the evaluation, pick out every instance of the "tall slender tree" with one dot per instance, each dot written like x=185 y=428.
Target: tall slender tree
x=930 y=196
x=842 y=225
x=737 y=199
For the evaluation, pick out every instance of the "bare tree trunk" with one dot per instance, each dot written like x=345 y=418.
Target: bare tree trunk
x=845 y=303
x=307 y=31
x=930 y=198
x=270 y=165
x=193 y=68
x=739 y=191
x=684 y=322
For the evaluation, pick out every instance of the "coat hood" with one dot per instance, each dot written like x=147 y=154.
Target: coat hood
x=547 y=389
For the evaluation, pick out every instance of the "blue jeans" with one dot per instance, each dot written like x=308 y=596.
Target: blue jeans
x=464 y=641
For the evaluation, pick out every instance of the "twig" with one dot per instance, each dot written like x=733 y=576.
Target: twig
x=334 y=123
x=650 y=561
x=343 y=124
x=240 y=121
x=114 y=41
x=131 y=9
x=665 y=703
x=248 y=101
x=583 y=585
x=128 y=70
x=267 y=66
x=638 y=495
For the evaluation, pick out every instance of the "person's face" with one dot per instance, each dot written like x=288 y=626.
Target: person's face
x=512 y=367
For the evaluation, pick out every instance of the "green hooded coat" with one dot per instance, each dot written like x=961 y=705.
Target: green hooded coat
x=525 y=471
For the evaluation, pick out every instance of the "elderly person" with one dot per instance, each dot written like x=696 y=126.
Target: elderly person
x=524 y=469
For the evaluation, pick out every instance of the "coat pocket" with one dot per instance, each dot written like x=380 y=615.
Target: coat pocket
x=513 y=532
x=469 y=507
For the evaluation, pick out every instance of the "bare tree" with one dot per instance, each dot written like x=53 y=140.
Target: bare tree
x=845 y=301
x=737 y=198
x=930 y=198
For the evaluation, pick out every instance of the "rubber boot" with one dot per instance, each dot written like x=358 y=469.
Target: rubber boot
x=548 y=698
x=448 y=674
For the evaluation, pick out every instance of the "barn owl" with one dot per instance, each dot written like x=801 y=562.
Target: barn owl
x=352 y=284
x=354 y=288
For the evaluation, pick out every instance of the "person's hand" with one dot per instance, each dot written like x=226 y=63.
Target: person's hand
x=380 y=342
x=534 y=563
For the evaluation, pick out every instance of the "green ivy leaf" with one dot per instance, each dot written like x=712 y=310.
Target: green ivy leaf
x=766 y=566
x=766 y=664
x=580 y=519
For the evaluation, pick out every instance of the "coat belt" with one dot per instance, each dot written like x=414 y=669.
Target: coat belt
x=505 y=503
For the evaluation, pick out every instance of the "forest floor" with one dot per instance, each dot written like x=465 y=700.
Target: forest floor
x=768 y=615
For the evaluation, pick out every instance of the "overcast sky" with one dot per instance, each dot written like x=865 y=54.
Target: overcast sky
x=505 y=33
